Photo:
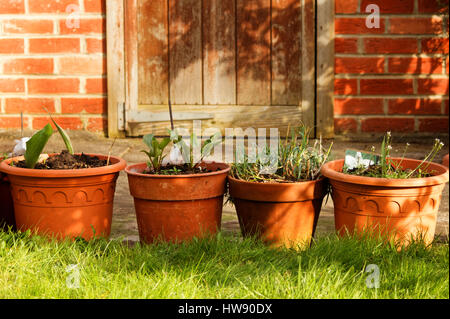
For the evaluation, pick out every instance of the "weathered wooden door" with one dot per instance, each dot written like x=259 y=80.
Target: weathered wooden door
x=229 y=63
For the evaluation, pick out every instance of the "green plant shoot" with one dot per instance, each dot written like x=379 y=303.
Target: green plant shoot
x=156 y=151
x=63 y=134
x=36 y=144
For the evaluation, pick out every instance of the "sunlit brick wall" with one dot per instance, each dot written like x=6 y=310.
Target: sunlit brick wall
x=49 y=59
x=390 y=78
x=394 y=77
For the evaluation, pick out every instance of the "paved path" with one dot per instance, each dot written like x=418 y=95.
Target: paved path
x=124 y=221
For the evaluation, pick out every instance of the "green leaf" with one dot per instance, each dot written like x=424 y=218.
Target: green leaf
x=148 y=140
x=36 y=144
x=210 y=143
x=63 y=134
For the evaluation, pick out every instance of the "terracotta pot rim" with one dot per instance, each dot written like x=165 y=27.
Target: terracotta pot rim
x=272 y=184
x=332 y=174
x=119 y=165
x=129 y=171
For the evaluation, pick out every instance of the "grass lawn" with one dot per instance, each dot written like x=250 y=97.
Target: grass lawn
x=223 y=267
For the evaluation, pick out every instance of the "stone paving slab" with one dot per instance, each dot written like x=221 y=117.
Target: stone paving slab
x=124 y=220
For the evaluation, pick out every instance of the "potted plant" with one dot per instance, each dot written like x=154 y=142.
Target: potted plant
x=177 y=201
x=397 y=198
x=62 y=195
x=6 y=208
x=281 y=206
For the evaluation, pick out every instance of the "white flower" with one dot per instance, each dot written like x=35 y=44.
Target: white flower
x=389 y=147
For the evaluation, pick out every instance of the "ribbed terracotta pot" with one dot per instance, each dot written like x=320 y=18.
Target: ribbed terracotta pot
x=6 y=204
x=281 y=214
x=401 y=209
x=177 y=208
x=64 y=203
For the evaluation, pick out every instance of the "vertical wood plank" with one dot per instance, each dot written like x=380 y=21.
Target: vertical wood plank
x=115 y=63
x=325 y=68
x=286 y=52
x=219 y=68
x=131 y=55
x=153 y=52
x=185 y=51
x=253 y=52
x=308 y=63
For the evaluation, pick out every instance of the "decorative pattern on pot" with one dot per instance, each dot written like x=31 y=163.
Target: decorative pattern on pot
x=403 y=208
x=65 y=203
x=177 y=207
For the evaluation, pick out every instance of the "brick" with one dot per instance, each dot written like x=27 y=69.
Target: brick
x=416 y=25
x=356 y=26
x=390 y=6
x=79 y=105
x=388 y=45
x=386 y=86
x=96 y=86
x=86 y=26
x=29 y=105
x=12 y=85
x=415 y=65
x=55 y=45
x=12 y=122
x=97 y=124
x=46 y=6
x=95 y=45
x=358 y=106
x=9 y=46
x=384 y=124
x=28 y=66
x=346 y=6
x=414 y=106
x=70 y=123
x=82 y=65
x=53 y=86
x=20 y=26
x=345 y=125
x=446 y=107
x=435 y=45
x=433 y=6
x=432 y=86
x=95 y=6
x=12 y=6
x=345 y=86
x=343 y=45
x=359 y=65
x=434 y=125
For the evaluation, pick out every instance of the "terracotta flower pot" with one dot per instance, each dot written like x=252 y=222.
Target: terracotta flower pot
x=177 y=207
x=401 y=209
x=6 y=204
x=445 y=160
x=64 y=203
x=281 y=214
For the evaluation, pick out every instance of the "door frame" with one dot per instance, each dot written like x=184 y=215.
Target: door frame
x=317 y=64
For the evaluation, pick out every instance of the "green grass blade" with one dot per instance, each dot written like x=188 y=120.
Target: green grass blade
x=36 y=144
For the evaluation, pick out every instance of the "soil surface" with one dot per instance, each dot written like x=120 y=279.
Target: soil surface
x=65 y=160
x=179 y=170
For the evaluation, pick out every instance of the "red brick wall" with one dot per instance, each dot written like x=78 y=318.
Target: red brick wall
x=394 y=77
x=46 y=59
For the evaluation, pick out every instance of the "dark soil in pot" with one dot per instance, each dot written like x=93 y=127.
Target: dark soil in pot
x=65 y=160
